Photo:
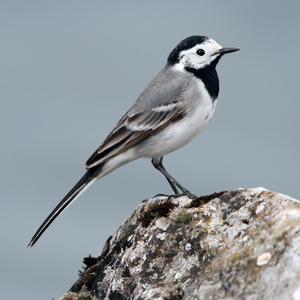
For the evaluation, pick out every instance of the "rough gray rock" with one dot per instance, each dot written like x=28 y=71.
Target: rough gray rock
x=242 y=244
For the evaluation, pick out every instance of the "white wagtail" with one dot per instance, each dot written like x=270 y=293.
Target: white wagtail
x=175 y=107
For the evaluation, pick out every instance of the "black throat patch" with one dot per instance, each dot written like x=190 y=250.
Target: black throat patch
x=210 y=78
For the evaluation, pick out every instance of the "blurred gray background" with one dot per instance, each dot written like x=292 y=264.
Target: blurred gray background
x=70 y=69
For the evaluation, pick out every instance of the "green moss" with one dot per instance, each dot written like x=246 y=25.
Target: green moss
x=85 y=296
x=183 y=217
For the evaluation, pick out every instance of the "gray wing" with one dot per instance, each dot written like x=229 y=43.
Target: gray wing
x=159 y=105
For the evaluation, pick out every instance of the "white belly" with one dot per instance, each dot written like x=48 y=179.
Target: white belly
x=183 y=131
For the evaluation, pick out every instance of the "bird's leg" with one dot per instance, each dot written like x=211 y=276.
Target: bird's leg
x=172 y=181
x=159 y=166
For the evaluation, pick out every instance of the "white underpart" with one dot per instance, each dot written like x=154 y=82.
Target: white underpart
x=190 y=58
x=176 y=135
x=182 y=132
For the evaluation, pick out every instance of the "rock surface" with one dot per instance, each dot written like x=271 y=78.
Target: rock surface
x=242 y=244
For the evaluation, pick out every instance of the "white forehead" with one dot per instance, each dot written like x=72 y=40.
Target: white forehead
x=209 y=46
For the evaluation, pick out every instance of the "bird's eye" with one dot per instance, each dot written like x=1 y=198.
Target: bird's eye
x=200 y=52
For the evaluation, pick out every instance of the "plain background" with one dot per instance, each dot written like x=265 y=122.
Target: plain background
x=70 y=69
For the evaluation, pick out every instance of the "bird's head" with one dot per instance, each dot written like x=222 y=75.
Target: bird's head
x=197 y=52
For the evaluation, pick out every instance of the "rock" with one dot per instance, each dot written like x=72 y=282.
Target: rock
x=241 y=244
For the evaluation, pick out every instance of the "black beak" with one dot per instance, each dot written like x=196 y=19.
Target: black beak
x=226 y=50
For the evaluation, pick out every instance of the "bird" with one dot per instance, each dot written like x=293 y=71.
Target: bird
x=171 y=111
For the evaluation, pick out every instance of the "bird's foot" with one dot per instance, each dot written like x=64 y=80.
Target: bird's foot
x=178 y=195
x=187 y=194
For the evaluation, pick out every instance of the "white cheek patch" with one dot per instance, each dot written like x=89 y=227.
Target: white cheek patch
x=189 y=58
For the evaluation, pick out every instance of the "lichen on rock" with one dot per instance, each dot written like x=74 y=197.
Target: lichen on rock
x=241 y=244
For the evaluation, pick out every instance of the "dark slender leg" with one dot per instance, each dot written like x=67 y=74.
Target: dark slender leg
x=172 y=181
x=159 y=166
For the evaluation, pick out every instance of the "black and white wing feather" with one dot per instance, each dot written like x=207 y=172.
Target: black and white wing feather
x=134 y=129
x=159 y=105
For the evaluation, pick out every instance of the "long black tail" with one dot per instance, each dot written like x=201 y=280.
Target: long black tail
x=86 y=180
